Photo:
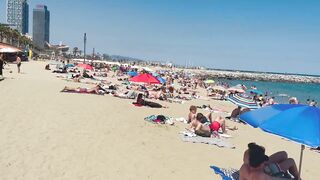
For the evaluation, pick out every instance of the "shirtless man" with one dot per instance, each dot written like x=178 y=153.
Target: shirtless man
x=18 y=61
x=256 y=165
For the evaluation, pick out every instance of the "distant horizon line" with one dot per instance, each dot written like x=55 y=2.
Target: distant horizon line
x=266 y=72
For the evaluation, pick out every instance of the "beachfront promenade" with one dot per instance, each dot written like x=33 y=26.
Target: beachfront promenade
x=46 y=134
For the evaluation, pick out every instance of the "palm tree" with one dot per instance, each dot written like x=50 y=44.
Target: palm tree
x=4 y=33
x=15 y=37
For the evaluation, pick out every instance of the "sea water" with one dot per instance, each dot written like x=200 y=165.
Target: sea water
x=282 y=91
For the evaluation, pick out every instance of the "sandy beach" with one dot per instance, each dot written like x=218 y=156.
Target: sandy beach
x=46 y=134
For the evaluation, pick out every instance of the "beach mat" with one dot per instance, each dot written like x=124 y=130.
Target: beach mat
x=226 y=174
x=206 y=140
x=155 y=119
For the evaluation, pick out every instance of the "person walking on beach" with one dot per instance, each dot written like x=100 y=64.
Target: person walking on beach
x=18 y=61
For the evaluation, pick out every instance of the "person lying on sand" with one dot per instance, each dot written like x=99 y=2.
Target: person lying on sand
x=130 y=94
x=95 y=90
x=183 y=97
x=256 y=165
x=140 y=101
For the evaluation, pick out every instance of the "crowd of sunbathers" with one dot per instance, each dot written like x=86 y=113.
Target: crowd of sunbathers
x=162 y=92
x=256 y=165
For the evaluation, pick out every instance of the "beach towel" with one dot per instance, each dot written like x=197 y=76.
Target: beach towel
x=137 y=104
x=159 y=119
x=220 y=142
x=226 y=174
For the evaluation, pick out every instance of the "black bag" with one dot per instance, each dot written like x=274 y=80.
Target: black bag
x=161 y=118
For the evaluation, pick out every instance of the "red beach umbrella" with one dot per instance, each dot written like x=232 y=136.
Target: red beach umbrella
x=85 y=66
x=145 y=78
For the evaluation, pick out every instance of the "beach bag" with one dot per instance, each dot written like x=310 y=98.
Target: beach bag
x=161 y=118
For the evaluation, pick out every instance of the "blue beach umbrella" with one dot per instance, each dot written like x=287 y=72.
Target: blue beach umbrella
x=132 y=73
x=296 y=122
x=162 y=81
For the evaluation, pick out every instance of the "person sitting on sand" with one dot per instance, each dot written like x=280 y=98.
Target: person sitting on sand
x=170 y=93
x=204 y=126
x=154 y=94
x=86 y=75
x=235 y=113
x=256 y=165
x=140 y=101
x=192 y=114
x=47 y=67
x=95 y=90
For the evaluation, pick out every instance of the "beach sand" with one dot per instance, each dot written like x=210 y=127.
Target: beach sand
x=46 y=134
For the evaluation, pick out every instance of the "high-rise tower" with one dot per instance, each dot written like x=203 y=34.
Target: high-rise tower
x=18 y=15
x=41 y=26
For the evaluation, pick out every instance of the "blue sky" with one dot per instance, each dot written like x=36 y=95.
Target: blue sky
x=262 y=35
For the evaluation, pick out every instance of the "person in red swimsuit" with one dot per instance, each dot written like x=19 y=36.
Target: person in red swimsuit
x=205 y=126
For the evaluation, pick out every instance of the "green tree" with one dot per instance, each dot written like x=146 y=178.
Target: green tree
x=75 y=51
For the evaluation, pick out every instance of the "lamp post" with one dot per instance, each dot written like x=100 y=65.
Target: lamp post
x=84 y=49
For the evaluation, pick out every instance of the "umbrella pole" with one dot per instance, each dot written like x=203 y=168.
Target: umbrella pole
x=301 y=155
